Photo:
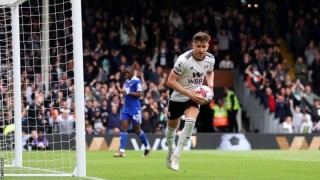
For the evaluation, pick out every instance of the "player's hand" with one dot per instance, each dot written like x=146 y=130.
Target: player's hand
x=196 y=97
x=125 y=91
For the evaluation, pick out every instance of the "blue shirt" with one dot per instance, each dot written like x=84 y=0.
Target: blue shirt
x=131 y=103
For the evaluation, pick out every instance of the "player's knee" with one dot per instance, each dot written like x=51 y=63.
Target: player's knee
x=124 y=129
x=137 y=130
x=173 y=124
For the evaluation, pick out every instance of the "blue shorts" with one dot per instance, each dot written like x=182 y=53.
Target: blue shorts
x=134 y=117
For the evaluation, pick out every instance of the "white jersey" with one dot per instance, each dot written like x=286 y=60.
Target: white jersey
x=191 y=73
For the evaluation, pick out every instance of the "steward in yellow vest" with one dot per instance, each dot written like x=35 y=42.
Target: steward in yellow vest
x=232 y=106
x=220 y=115
x=232 y=102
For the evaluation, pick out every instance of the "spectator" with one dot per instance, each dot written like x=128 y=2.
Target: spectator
x=35 y=112
x=254 y=77
x=30 y=142
x=282 y=109
x=226 y=63
x=269 y=100
x=98 y=123
x=64 y=124
x=316 y=127
x=104 y=112
x=113 y=124
x=289 y=96
x=316 y=74
x=306 y=125
x=175 y=19
x=89 y=113
x=297 y=117
x=301 y=69
x=308 y=96
x=41 y=142
x=177 y=49
x=147 y=124
x=224 y=38
x=310 y=53
x=102 y=76
x=245 y=63
x=90 y=130
x=154 y=91
x=287 y=125
x=164 y=56
x=297 y=90
x=280 y=72
x=314 y=111
x=299 y=39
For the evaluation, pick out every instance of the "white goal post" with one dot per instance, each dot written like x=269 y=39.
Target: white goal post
x=42 y=122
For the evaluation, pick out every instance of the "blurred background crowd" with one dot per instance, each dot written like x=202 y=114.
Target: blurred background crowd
x=274 y=44
x=247 y=36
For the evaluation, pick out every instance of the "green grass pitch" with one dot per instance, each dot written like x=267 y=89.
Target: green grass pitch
x=203 y=165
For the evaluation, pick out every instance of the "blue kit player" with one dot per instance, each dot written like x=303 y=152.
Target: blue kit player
x=131 y=112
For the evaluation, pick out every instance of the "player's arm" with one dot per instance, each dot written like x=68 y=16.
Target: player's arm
x=210 y=79
x=137 y=94
x=173 y=83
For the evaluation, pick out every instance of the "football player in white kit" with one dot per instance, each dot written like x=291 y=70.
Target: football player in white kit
x=187 y=75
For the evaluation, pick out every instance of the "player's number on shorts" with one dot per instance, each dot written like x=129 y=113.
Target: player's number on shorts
x=137 y=118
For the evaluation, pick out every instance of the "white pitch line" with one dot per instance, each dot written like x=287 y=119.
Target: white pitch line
x=302 y=160
x=93 y=178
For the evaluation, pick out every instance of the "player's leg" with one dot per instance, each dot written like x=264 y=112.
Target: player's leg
x=191 y=114
x=136 y=121
x=123 y=136
x=143 y=138
x=175 y=111
x=170 y=134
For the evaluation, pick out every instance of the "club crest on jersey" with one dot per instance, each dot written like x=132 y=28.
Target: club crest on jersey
x=206 y=66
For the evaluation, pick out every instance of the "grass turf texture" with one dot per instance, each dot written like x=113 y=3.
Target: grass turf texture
x=203 y=164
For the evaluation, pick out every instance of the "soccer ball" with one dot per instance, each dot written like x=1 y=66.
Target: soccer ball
x=234 y=142
x=8 y=129
x=205 y=92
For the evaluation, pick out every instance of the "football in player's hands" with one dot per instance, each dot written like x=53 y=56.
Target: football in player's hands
x=205 y=92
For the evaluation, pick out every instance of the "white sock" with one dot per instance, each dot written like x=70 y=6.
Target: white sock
x=171 y=137
x=185 y=135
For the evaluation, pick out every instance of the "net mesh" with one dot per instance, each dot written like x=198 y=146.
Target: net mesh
x=47 y=86
x=11 y=2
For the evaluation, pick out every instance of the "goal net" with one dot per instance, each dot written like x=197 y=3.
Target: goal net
x=41 y=88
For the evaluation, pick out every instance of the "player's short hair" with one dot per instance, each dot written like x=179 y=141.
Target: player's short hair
x=201 y=36
x=130 y=68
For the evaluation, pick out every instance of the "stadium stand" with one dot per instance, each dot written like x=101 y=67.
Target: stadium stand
x=151 y=35
x=261 y=40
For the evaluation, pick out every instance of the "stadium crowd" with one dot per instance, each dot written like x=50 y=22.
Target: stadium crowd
x=150 y=35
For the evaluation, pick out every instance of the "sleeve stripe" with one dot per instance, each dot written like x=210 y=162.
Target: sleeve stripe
x=176 y=72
